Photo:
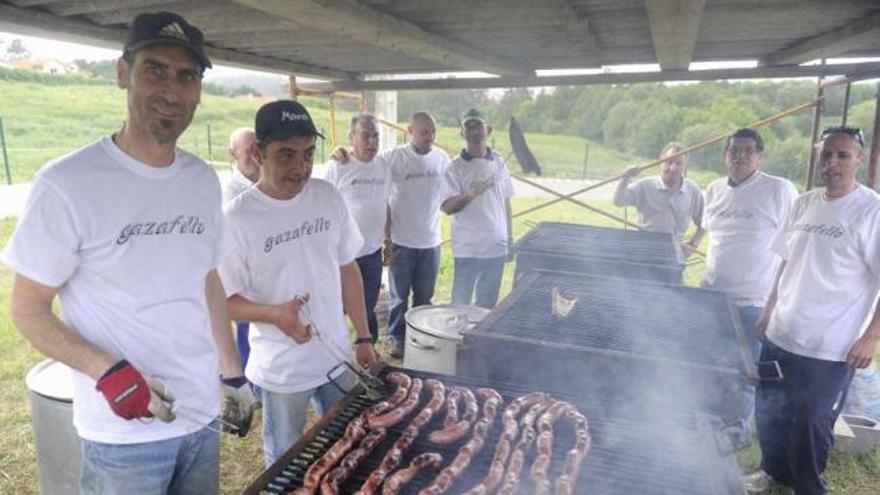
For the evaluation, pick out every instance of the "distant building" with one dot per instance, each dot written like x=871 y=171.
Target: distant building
x=48 y=65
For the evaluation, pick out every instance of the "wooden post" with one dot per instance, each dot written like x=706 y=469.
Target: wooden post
x=875 y=144
x=845 y=104
x=291 y=87
x=332 y=99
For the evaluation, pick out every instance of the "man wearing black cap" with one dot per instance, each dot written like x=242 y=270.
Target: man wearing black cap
x=293 y=248
x=127 y=232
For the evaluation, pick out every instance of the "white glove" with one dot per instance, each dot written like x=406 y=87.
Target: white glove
x=238 y=405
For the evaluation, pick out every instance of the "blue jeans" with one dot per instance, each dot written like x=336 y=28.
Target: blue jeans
x=416 y=270
x=284 y=415
x=749 y=316
x=795 y=417
x=179 y=466
x=482 y=275
x=241 y=339
x=371 y=273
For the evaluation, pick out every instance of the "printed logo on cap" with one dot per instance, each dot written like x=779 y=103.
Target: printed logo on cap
x=174 y=30
x=293 y=117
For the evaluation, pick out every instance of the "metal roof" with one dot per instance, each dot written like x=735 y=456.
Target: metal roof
x=347 y=41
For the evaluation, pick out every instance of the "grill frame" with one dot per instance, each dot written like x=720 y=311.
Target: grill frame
x=717 y=472
x=487 y=348
x=533 y=253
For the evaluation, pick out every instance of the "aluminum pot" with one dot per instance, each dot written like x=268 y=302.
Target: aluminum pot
x=58 y=447
x=433 y=334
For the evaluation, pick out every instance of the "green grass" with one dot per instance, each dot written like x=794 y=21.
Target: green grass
x=59 y=119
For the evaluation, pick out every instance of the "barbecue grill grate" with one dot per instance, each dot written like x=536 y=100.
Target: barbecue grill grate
x=668 y=455
x=586 y=241
x=674 y=322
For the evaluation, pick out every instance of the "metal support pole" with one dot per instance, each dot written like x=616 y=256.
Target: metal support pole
x=210 y=151
x=875 y=144
x=814 y=135
x=5 y=157
x=846 y=104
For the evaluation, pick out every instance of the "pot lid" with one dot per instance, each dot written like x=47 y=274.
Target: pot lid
x=446 y=321
x=51 y=379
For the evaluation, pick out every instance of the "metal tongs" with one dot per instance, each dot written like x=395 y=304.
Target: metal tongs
x=373 y=385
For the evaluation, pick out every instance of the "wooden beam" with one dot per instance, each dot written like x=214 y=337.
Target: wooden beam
x=34 y=23
x=831 y=43
x=358 y=22
x=675 y=25
x=80 y=7
x=864 y=71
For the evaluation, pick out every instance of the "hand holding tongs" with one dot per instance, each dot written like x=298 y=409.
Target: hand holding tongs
x=373 y=385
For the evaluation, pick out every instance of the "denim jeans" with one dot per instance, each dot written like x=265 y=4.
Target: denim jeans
x=416 y=270
x=185 y=465
x=242 y=329
x=371 y=273
x=749 y=316
x=795 y=417
x=284 y=415
x=480 y=275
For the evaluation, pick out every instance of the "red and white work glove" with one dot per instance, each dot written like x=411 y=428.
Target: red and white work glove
x=131 y=395
x=237 y=408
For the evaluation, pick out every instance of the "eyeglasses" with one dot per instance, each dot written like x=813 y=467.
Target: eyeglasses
x=854 y=132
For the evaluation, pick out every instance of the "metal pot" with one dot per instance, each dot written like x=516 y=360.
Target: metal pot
x=58 y=447
x=434 y=333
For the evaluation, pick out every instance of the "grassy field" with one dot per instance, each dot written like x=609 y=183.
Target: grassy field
x=59 y=119
x=241 y=459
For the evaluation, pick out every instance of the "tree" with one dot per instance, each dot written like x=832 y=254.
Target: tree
x=17 y=51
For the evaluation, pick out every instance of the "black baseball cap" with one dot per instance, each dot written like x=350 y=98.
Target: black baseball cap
x=283 y=119
x=166 y=27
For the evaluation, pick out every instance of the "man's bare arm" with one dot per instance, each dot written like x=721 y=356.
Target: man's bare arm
x=32 y=314
x=221 y=327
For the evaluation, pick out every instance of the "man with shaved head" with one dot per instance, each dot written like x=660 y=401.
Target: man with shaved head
x=246 y=168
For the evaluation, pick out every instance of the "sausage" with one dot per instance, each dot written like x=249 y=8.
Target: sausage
x=403 y=382
x=452 y=407
x=330 y=484
x=450 y=434
x=353 y=434
x=394 y=455
x=492 y=399
x=526 y=439
x=427 y=460
x=397 y=415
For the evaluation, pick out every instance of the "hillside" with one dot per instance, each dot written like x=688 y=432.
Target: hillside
x=44 y=121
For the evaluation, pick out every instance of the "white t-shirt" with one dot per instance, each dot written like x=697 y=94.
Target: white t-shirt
x=741 y=222
x=365 y=188
x=479 y=230
x=281 y=249
x=128 y=246
x=237 y=184
x=416 y=194
x=828 y=289
x=662 y=209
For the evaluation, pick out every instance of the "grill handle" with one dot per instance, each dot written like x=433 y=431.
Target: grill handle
x=732 y=438
x=422 y=347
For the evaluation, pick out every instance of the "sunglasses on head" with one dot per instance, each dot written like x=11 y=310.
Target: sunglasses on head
x=855 y=132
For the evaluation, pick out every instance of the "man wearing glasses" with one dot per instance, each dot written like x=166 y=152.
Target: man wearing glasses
x=820 y=321
x=743 y=211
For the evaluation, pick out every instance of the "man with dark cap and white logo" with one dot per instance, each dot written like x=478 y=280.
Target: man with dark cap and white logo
x=127 y=232
x=292 y=273
x=477 y=191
